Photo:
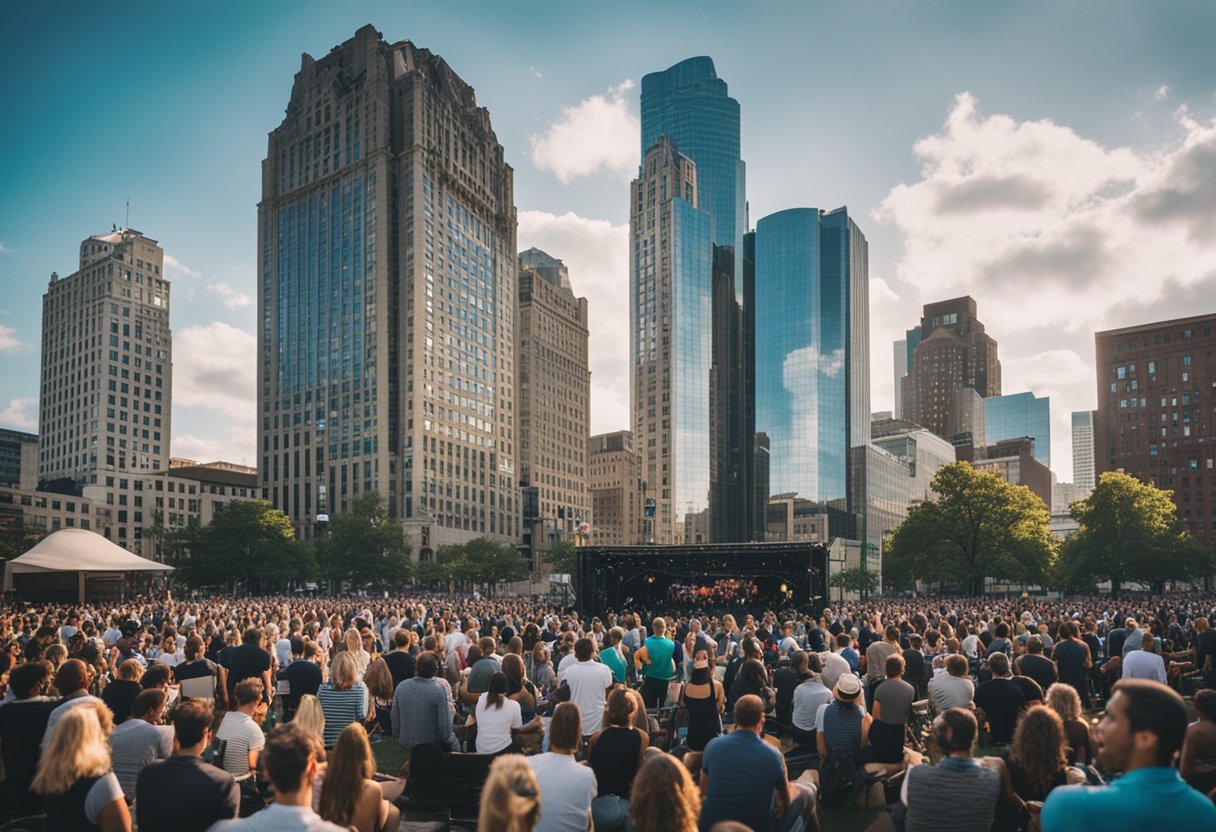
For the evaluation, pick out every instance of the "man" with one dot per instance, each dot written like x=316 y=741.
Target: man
x=876 y=661
x=914 y=662
x=566 y=787
x=1115 y=638
x=183 y=793
x=140 y=740
x=1145 y=663
x=958 y=787
x=1073 y=660
x=1000 y=701
x=1205 y=651
x=1034 y=665
x=478 y=680
x=589 y=681
x=303 y=673
x=399 y=660
x=1143 y=728
x=72 y=681
x=834 y=666
x=743 y=779
x=290 y=762
x=950 y=687
x=1134 y=639
x=22 y=724
x=241 y=732
x=808 y=696
x=844 y=643
x=248 y=661
x=420 y=708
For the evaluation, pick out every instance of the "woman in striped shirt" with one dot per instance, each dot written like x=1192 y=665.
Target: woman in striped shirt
x=344 y=699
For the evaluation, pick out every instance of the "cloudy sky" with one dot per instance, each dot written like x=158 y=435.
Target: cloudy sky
x=1055 y=161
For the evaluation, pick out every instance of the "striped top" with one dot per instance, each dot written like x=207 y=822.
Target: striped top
x=341 y=708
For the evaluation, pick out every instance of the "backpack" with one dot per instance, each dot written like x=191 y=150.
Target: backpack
x=840 y=779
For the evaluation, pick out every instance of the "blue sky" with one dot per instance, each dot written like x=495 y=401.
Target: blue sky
x=1053 y=123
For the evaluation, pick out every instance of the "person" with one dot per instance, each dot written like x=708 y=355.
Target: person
x=1143 y=727
x=1205 y=651
x=1000 y=701
x=665 y=798
x=480 y=671
x=951 y=687
x=956 y=795
x=1063 y=699
x=842 y=726
x=807 y=698
x=380 y=689
x=399 y=660
x=1144 y=663
x=420 y=711
x=703 y=698
x=22 y=724
x=510 y=799
x=73 y=680
x=752 y=680
x=1034 y=665
x=916 y=672
x=141 y=740
x=183 y=793
x=543 y=675
x=196 y=665
x=834 y=666
x=892 y=707
x=611 y=655
x=1073 y=660
x=1134 y=640
x=1197 y=764
x=743 y=778
x=877 y=654
x=615 y=754
x=344 y=699
x=120 y=694
x=290 y=763
x=1038 y=759
x=654 y=660
x=248 y=661
x=589 y=681
x=243 y=736
x=349 y=795
x=566 y=787
x=785 y=681
x=310 y=716
x=74 y=778
x=498 y=717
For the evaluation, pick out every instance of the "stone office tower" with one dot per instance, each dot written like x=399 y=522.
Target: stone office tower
x=386 y=304
x=107 y=364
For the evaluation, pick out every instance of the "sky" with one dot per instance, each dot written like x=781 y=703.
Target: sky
x=1056 y=161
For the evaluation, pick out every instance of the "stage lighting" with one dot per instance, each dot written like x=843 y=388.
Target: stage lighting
x=650 y=579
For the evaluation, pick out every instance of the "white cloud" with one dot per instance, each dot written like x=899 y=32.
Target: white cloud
x=21 y=414
x=214 y=392
x=535 y=72
x=232 y=445
x=597 y=254
x=1055 y=236
x=9 y=342
x=598 y=133
x=175 y=268
x=232 y=298
x=1162 y=93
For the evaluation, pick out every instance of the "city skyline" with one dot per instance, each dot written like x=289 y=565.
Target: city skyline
x=1095 y=178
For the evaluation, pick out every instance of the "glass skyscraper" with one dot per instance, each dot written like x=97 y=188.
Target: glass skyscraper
x=1020 y=414
x=812 y=350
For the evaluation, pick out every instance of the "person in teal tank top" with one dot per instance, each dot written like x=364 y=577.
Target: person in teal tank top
x=611 y=654
x=654 y=662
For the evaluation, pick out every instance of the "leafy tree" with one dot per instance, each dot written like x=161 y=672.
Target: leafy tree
x=480 y=561
x=250 y=543
x=562 y=556
x=1130 y=532
x=979 y=526
x=365 y=547
x=17 y=539
x=859 y=580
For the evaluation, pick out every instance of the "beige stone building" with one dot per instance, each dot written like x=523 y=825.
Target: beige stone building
x=614 y=468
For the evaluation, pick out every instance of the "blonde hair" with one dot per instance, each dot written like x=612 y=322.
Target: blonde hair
x=130 y=670
x=345 y=671
x=309 y=716
x=1064 y=700
x=510 y=799
x=78 y=748
x=352 y=639
x=659 y=626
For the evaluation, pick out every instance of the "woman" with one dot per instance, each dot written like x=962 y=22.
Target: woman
x=196 y=666
x=566 y=787
x=121 y=693
x=542 y=669
x=615 y=754
x=1038 y=761
x=753 y=679
x=843 y=724
x=75 y=777
x=498 y=718
x=665 y=799
x=1198 y=762
x=705 y=701
x=309 y=716
x=612 y=656
x=354 y=645
x=510 y=799
x=379 y=681
x=1064 y=700
x=344 y=698
x=519 y=688
x=728 y=640
x=654 y=660
x=349 y=795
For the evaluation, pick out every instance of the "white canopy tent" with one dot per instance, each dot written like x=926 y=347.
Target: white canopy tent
x=67 y=561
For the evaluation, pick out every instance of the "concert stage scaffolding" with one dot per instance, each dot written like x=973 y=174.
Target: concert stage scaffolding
x=623 y=577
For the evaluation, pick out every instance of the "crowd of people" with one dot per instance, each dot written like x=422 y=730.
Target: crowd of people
x=262 y=713
x=724 y=591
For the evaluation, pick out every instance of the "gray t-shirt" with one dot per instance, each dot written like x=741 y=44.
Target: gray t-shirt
x=104 y=792
x=948 y=691
x=895 y=696
x=807 y=698
x=566 y=791
x=134 y=745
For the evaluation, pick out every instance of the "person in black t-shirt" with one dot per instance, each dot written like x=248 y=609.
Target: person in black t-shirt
x=1035 y=665
x=196 y=665
x=303 y=675
x=22 y=724
x=1205 y=651
x=249 y=661
x=399 y=661
x=1001 y=700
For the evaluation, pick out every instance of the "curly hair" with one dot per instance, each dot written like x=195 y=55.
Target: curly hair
x=1040 y=749
x=1064 y=700
x=664 y=797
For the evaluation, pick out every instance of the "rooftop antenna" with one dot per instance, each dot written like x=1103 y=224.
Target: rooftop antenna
x=127 y=223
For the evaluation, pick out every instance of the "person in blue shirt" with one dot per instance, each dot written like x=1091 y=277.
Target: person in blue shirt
x=1142 y=730
x=845 y=643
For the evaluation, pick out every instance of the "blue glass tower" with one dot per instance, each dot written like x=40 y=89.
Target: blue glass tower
x=689 y=103
x=812 y=351
x=1017 y=415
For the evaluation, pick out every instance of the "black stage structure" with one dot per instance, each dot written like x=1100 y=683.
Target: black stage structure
x=615 y=578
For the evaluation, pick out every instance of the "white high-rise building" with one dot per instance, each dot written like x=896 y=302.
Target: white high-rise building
x=1083 y=450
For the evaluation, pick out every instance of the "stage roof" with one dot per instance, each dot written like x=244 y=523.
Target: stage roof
x=78 y=550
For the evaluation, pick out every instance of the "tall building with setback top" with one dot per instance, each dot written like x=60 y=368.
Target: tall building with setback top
x=553 y=396
x=386 y=303
x=105 y=400
x=616 y=490
x=1156 y=392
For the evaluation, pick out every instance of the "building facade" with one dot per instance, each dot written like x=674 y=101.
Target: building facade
x=1156 y=390
x=1016 y=415
x=553 y=395
x=1083 y=450
x=18 y=459
x=105 y=400
x=387 y=292
x=616 y=490
x=1012 y=460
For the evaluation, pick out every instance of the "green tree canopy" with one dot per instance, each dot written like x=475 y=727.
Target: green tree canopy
x=859 y=580
x=978 y=527
x=480 y=561
x=1129 y=532
x=562 y=556
x=365 y=547
x=249 y=542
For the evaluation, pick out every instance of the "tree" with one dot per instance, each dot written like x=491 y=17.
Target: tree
x=17 y=538
x=365 y=547
x=859 y=580
x=480 y=561
x=562 y=556
x=978 y=527
x=249 y=543
x=1130 y=532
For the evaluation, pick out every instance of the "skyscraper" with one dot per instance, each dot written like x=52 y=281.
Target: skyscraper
x=387 y=273
x=1083 y=450
x=900 y=370
x=616 y=490
x=1015 y=415
x=812 y=352
x=671 y=349
x=553 y=395
x=107 y=364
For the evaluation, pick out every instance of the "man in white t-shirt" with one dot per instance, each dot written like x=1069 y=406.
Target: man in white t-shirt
x=454 y=639
x=243 y=736
x=566 y=787
x=589 y=681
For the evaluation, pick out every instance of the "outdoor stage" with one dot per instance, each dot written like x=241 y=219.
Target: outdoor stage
x=719 y=575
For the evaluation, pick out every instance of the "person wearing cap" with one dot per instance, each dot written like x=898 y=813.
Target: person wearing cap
x=842 y=724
